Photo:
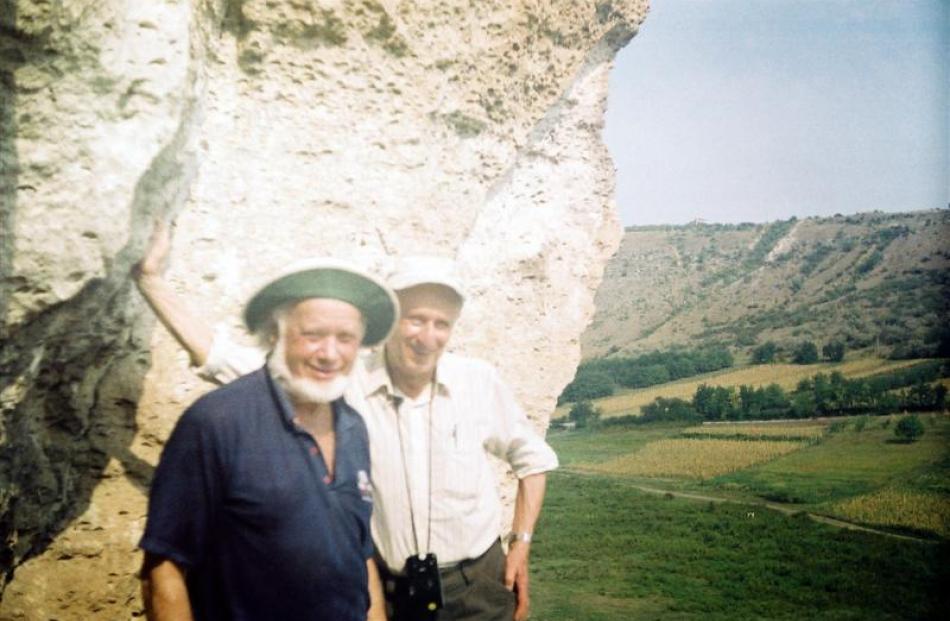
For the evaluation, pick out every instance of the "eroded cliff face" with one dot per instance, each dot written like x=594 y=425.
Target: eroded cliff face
x=269 y=130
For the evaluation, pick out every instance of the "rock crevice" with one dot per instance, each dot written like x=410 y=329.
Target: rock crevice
x=269 y=130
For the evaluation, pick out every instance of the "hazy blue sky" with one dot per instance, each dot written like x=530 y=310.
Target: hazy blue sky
x=755 y=110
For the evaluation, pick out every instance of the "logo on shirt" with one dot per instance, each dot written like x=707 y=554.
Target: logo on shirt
x=365 y=487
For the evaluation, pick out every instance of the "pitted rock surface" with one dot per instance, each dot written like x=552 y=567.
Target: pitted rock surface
x=268 y=130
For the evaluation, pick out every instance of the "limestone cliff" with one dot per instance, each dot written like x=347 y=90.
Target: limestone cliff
x=270 y=130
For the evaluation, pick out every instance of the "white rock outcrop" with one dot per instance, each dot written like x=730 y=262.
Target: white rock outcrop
x=269 y=130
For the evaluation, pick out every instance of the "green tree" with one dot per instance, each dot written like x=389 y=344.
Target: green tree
x=635 y=376
x=583 y=414
x=909 y=429
x=716 y=402
x=775 y=404
x=713 y=360
x=667 y=409
x=803 y=404
x=833 y=351
x=586 y=386
x=765 y=353
x=805 y=352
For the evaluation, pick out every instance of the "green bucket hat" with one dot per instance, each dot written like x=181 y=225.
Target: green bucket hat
x=333 y=279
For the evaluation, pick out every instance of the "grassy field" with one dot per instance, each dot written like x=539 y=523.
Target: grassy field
x=787 y=376
x=608 y=551
x=850 y=463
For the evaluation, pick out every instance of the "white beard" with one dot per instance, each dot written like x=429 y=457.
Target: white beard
x=303 y=389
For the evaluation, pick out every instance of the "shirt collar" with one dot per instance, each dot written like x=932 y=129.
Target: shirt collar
x=378 y=380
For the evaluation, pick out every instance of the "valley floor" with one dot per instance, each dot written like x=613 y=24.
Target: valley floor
x=629 y=533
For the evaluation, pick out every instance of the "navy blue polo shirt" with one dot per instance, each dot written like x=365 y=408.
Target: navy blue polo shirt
x=242 y=500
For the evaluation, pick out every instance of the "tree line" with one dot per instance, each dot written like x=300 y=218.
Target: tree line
x=910 y=390
x=601 y=377
x=804 y=352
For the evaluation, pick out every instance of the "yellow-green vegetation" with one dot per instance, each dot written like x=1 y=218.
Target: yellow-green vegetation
x=781 y=462
x=787 y=376
x=899 y=507
x=848 y=463
x=787 y=431
x=607 y=551
x=579 y=448
x=700 y=459
x=863 y=367
x=836 y=279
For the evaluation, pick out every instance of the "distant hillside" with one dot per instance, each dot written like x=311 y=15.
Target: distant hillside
x=870 y=280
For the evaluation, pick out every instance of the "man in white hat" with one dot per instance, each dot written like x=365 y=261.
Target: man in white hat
x=433 y=420
x=260 y=506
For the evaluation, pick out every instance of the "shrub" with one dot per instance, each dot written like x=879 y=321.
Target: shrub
x=764 y=245
x=583 y=414
x=909 y=429
x=833 y=351
x=838 y=426
x=672 y=409
x=815 y=257
x=871 y=262
x=805 y=353
x=765 y=353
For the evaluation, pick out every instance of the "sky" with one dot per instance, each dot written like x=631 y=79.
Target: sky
x=759 y=110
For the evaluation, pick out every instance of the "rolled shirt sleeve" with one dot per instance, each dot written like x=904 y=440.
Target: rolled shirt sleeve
x=513 y=438
x=184 y=493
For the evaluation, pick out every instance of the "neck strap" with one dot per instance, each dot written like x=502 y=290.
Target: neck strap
x=405 y=469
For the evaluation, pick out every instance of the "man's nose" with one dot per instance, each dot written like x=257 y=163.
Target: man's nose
x=328 y=350
x=429 y=335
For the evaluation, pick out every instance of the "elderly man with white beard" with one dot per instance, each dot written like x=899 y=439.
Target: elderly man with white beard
x=434 y=420
x=260 y=506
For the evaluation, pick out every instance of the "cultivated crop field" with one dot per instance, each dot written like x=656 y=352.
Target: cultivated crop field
x=611 y=548
x=775 y=431
x=787 y=376
x=700 y=459
x=899 y=507
x=861 y=458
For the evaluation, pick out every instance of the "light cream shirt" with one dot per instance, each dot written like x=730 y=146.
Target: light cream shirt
x=473 y=415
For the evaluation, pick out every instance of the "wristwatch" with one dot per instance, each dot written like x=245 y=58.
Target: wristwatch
x=523 y=537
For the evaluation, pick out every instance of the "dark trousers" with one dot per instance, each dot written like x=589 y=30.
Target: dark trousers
x=473 y=590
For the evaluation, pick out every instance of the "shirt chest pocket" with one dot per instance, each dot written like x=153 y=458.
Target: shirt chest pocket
x=457 y=456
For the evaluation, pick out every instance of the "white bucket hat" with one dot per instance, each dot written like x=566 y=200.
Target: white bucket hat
x=426 y=270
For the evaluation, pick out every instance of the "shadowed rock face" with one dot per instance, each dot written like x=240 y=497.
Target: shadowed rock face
x=270 y=130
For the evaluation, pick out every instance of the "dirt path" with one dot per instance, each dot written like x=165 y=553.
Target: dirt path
x=755 y=503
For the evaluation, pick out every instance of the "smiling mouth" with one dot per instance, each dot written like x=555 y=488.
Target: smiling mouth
x=323 y=374
x=422 y=351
